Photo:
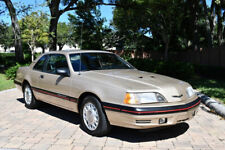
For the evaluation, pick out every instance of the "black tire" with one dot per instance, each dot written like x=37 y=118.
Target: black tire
x=32 y=102
x=103 y=126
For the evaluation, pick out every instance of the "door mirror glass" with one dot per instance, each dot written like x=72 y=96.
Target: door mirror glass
x=63 y=72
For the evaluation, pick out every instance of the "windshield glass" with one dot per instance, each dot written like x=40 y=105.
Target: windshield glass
x=98 y=61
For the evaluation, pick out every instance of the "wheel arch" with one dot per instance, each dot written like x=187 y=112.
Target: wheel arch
x=24 y=83
x=85 y=94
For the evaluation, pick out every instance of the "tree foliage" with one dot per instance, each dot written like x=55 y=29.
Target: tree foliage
x=150 y=18
x=6 y=36
x=16 y=30
x=88 y=29
x=59 y=7
x=35 y=30
x=142 y=25
x=171 y=24
x=64 y=34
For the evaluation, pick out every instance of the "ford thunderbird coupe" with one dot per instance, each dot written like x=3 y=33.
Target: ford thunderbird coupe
x=106 y=90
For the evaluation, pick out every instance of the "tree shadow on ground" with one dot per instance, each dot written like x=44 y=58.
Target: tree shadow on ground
x=124 y=134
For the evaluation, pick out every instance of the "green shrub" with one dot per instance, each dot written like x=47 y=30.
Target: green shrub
x=11 y=72
x=7 y=59
x=27 y=57
x=178 y=70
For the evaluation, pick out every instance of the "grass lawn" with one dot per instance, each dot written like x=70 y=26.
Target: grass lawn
x=4 y=83
x=211 y=87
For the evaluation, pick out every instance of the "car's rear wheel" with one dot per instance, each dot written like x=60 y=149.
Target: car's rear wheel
x=30 y=100
x=93 y=118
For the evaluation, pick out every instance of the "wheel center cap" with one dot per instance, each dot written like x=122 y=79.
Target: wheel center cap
x=90 y=116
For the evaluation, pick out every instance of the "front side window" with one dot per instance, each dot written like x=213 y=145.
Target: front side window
x=98 y=61
x=55 y=62
x=75 y=61
x=40 y=64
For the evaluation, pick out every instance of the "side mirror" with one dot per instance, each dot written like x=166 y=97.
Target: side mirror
x=63 y=72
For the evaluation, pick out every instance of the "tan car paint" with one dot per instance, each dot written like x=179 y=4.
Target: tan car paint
x=127 y=120
x=110 y=86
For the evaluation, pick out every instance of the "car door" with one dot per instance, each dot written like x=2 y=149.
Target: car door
x=52 y=87
x=35 y=76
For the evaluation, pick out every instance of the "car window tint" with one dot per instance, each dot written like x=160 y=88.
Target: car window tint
x=90 y=61
x=75 y=61
x=111 y=62
x=98 y=61
x=54 y=62
x=102 y=61
x=40 y=64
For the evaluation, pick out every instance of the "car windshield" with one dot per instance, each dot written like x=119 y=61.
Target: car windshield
x=98 y=61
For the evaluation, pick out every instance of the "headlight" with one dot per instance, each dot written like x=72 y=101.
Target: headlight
x=190 y=91
x=143 y=98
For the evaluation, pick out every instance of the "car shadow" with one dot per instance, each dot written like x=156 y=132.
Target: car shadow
x=144 y=135
x=57 y=112
x=124 y=134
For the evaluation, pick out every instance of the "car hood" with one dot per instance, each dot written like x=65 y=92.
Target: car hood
x=139 y=81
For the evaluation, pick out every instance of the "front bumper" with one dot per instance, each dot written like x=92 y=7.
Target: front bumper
x=143 y=118
x=18 y=85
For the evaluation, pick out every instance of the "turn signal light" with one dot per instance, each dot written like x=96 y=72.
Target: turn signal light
x=130 y=99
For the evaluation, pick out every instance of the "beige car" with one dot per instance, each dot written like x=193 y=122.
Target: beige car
x=106 y=90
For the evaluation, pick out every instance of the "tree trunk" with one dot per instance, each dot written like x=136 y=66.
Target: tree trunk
x=223 y=34
x=166 y=51
x=60 y=46
x=209 y=36
x=219 y=24
x=195 y=27
x=16 y=30
x=55 y=14
x=166 y=40
x=53 y=33
x=32 y=54
x=211 y=19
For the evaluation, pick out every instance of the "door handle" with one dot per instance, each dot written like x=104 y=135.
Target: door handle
x=41 y=76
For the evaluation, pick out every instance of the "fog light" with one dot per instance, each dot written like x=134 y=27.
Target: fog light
x=162 y=120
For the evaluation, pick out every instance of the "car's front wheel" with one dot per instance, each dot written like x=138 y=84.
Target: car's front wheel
x=30 y=100
x=93 y=118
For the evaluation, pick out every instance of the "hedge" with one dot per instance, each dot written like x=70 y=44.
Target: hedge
x=178 y=70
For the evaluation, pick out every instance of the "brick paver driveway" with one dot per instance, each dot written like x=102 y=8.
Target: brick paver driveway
x=53 y=128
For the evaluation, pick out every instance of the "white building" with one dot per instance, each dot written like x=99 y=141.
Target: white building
x=2 y=50
x=39 y=50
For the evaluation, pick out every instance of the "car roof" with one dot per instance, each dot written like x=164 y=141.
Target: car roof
x=77 y=51
x=66 y=52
